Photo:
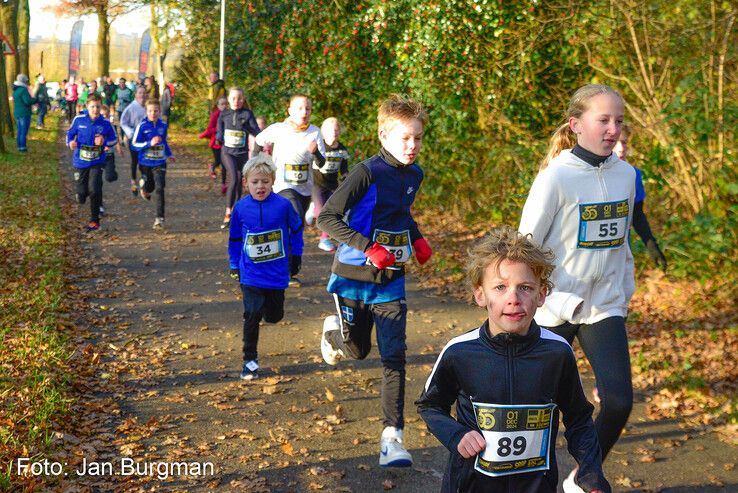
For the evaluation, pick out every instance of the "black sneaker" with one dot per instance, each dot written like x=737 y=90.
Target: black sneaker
x=250 y=370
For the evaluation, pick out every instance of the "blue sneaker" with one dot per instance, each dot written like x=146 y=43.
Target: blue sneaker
x=250 y=370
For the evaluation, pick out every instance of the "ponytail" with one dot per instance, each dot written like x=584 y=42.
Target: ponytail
x=562 y=138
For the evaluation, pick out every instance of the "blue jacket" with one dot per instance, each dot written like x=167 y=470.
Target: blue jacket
x=373 y=205
x=84 y=129
x=263 y=235
x=149 y=155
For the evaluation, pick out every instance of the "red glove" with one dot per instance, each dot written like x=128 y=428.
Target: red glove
x=423 y=251
x=380 y=256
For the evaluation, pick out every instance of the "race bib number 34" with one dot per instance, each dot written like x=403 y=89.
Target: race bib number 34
x=603 y=225
x=296 y=173
x=397 y=242
x=264 y=247
x=518 y=438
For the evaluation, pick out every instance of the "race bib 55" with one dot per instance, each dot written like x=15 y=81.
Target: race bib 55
x=603 y=225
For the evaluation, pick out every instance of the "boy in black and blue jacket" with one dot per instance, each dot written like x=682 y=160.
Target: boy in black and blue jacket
x=265 y=245
x=89 y=137
x=369 y=214
x=150 y=141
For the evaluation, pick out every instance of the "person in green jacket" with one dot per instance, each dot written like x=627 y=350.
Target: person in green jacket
x=42 y=99
x=22 y=105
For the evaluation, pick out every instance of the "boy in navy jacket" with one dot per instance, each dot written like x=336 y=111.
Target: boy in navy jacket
x=150 y=141
x=369 y=214
x=510 y=379
x=265 y=236
x=90 y=136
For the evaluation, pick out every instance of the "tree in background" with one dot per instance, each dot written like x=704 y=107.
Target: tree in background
x=9 y=27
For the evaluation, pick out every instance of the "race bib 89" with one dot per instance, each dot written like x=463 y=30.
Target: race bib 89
x=154 y=152
x=518 y=438
x=397 y=242
x=89 y=153
x=296 y=173
x=603 y=225
x=264 y=247
x=234 y=138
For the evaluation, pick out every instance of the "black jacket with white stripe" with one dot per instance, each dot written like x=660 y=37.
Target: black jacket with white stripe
x=534 y=369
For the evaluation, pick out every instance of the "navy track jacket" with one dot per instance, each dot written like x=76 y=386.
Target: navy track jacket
x=536 y=369
x=263 y=236
x=149 y=155
x=233 y=128
x=376 y=196
x=87 y=153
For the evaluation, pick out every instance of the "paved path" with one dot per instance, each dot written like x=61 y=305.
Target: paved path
x=169 y=321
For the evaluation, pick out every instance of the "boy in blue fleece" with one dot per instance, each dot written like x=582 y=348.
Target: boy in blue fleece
x=265 y=237
x=90 y=136
x=150 y=141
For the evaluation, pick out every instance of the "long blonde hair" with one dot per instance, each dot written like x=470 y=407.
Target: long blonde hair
x=564 y=137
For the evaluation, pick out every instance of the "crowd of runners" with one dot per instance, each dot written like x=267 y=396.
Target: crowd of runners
x=565 y=273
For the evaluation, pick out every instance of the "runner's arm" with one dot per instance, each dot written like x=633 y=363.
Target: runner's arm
x=235 y=240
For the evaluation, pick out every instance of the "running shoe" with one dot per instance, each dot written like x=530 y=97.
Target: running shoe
x=158 y=223
x=326 y=245
x=102 y=210
x=226 y=222
x=569 y=486
x=310 y=215
x=92 y=226
x=392 y=453
x=211 y=172
x=294 y=283
x=250 y=370
x=223 y=188
x=331 y=328
x=134 y=188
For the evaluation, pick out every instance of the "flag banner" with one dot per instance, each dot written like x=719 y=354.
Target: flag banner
x=143 y=54
x=75 y=45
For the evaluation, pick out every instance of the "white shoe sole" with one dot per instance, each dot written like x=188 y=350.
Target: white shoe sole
x=330 y=355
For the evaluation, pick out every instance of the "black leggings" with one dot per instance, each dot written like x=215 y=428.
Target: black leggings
x=299 y=202
x=71 y=110
x=605 y=343
x=233 y=165
x=134 y=161
x=218 y=163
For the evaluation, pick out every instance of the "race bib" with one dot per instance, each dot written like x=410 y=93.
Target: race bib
x=264 y=247
x=518 y=438
x=398 y=243
x=603 y=225
x=234 y=138
x=332 y=165
x=89 y=153
x=296 y=173
x=154 y=152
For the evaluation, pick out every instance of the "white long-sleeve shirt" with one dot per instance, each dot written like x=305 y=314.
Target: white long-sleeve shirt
x=583 y=213
x=131 y=117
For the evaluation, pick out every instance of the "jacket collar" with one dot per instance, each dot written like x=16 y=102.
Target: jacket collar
x=390 y=159
x=568 y=158
x=501 y=342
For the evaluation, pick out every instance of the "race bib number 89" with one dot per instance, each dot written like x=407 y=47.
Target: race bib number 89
x=154 y=152
x=264 y=247
x=296 y=173
x=603 y=225
x=518 y=438
x=397 y=242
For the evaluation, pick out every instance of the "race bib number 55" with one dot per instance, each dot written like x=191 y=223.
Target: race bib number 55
x=518 y=438
x=264 y=247
x=603 y=225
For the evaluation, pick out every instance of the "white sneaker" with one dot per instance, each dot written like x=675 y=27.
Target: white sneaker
x=569 y=486
x=310 y=215
x=330 y=355
x=159 y=223
x=326 y=245
x=392 y=453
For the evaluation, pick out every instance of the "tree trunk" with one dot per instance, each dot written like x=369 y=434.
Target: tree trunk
x=9 y=27
x=23 y=48
x=4 y=106
x=103 y=39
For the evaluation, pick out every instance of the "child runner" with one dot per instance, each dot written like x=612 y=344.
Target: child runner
x=209 y=133
x=234 y=125
x=134 y=114
x=267 y=149
x=640 y=221
x=71 y=97
x=507 y=415
x=580 y=206
x=150 y=140
x=369 y=214
x=325 y=178
x=89 y=137
x=296 y=144
x=263 y=226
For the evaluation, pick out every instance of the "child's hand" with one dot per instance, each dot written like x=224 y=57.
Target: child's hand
x=73 y=144
x=471 y=444
x=423 y=250
x=312 y=147
x=235 y=274
x=155 y=140
x=99 y=140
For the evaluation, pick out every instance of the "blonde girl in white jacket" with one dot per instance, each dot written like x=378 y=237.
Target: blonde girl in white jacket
x=580 y=206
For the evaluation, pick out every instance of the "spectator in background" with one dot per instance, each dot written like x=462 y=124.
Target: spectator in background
x=166 y=103
x=216 y=91
x=42 y=99
x=22 y=104
x=71 y=96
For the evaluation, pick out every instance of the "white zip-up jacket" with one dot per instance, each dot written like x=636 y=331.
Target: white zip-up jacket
x=583 y=214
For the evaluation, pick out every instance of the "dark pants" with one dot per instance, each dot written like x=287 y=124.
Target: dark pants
x=134 y=161
x=111 y=174
x=22 y=124
x=233 y=165
x=605 y=343
x=71 y=110
x=320 y=197
x=155 y=180
x=41 y=114
x=299 y=202
x=88 y=183
x=258 y=304
x=218 y=163
x=355 y=340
